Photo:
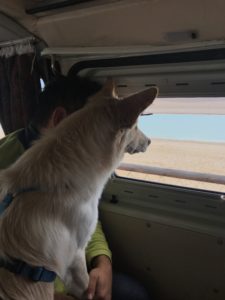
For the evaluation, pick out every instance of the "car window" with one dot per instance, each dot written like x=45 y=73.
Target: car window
x=186 y=150
x=2 y=134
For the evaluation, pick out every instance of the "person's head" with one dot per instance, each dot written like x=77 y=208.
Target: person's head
x=62 y=97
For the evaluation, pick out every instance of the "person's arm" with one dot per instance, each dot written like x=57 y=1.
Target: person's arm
x=97 y=246
x=99 y=262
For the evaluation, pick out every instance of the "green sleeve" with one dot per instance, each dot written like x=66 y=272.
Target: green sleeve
x=97 y=245
x=10 y=150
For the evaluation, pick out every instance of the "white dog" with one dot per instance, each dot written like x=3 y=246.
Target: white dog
x=56 y=186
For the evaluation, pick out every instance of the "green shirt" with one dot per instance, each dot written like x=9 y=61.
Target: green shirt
x=11 y=148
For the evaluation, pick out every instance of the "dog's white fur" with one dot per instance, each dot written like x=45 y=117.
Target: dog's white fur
x=69 y=167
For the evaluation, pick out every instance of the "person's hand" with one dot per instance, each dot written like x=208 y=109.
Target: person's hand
x=100 y=279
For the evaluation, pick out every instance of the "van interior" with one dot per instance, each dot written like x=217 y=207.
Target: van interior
x=169 y=234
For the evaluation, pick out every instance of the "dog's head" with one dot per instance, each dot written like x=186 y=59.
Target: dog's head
x=124 y=114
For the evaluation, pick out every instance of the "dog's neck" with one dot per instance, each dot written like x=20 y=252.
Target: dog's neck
x=80 y=151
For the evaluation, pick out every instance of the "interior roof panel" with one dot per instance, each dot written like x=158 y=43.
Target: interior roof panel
x=121 y=23
x=11 y=30
x=139 y=23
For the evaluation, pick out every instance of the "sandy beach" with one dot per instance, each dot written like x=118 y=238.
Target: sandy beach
x=203 y=157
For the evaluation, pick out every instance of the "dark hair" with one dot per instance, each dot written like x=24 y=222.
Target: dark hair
x=69 y=92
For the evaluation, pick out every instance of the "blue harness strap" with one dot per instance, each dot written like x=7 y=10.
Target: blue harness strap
x=19 y=267
x=5 y=202
x=9 y=198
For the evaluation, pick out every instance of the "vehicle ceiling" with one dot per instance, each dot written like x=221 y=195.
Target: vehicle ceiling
x=117 y=23
x=104 y=27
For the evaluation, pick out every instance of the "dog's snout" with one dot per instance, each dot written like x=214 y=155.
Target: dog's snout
x=149 y=141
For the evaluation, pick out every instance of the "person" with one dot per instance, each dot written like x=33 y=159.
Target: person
x=60 y=98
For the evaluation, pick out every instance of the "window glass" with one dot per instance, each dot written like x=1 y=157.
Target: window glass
x=42 y=84
x=2 y=134
x=182 y=146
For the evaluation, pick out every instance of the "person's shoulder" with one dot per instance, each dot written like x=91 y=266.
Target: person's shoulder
x=10 y=149
x=11 y=138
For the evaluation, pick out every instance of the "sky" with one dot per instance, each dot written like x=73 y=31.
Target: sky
x=208 y=128
x=184 y=127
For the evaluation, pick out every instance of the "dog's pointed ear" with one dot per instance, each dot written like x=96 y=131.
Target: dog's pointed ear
x=108 y=89
x=132 y=106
